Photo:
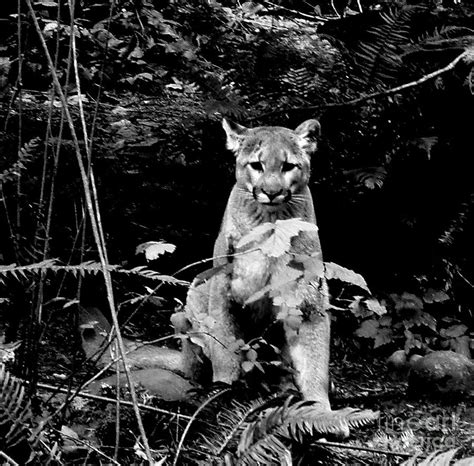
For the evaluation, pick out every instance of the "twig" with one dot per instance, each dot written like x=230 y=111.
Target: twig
x=87 y=444
x=194 y=416
x=105 y=399
x=323 y=443
x=7 y=458
x=374 y=95
x=296 y=12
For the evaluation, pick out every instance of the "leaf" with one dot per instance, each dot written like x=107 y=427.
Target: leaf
x=435 y=296
x=421 y=318
x=368 y=329
x=337 y=272
x=455 y=330
x=281 y=234
x=375 y=306
x=154 y=249
x=407 y=301
x=251 y=355
x=286 y=276
x=255 y=234
x=383 y=337
x=358 y=309
x=46 y=3
x=313 y=266
x=247 y=366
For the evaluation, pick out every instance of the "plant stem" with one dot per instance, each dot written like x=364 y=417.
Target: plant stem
x=96 y=229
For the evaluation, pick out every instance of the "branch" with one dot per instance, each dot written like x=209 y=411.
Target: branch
x=129 y=404
x=385 y=93
x=323 y=443
x=295 y=12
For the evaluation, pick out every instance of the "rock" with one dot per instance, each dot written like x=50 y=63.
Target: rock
x=397 y=365
x=164 y=384
x=398 y=360
x=442 y=373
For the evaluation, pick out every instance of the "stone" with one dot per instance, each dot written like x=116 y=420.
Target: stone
x=442 y=373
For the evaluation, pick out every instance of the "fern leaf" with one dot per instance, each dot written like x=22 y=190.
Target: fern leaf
x=441 y=458
x=264 y=440
x=300 y=81
x=14 y=413
x=268 y=450
x=25 y=156
x=89 y=267
x=379 y=59
x=230 y=426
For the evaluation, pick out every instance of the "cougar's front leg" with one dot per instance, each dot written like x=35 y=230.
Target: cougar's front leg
x=309 y=350
x=223 y=345
x=208 y=309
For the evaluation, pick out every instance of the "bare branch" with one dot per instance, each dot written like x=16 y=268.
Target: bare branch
x=384 y=93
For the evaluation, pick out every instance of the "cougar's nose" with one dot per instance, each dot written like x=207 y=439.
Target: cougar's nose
x=272 y=194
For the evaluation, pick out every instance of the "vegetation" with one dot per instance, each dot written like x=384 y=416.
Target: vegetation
x=112 y=154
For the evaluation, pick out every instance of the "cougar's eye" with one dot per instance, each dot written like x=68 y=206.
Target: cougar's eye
x=257 y=166
x=287 y=166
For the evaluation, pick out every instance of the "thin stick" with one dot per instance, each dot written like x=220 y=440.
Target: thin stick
x=386 y=93
x=105 y=399
x=323 y=443
x=296 y=12
x=87 y=444
x=188 y=426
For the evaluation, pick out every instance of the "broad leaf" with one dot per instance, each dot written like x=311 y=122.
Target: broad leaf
x=435 y=296
x=375 y=306
x=337 y=272
x=256 y=234
x=154 y=249
x=368 y=329
x=280 y=234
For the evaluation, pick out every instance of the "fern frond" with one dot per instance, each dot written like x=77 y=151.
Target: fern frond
x=305 y=418
x=89 y=267
x=268 y=450
x=15 y=414
x=301 y=81
x=230 y=422
x=440 y=458
x=143 y=271
x=25 y=156
x=265 y=439
x=370 y=177
x=379 y=58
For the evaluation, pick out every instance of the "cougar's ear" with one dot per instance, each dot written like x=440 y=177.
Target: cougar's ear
x=234 y=134
x=309 y=131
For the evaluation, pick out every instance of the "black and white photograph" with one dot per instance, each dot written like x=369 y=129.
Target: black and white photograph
x=237 y=233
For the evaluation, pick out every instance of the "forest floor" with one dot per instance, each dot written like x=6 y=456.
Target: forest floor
x=406 y=426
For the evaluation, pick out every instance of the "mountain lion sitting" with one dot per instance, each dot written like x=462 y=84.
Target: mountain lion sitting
x=272 y=174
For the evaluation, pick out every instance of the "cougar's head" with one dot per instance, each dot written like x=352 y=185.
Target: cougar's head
x=273 y=163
